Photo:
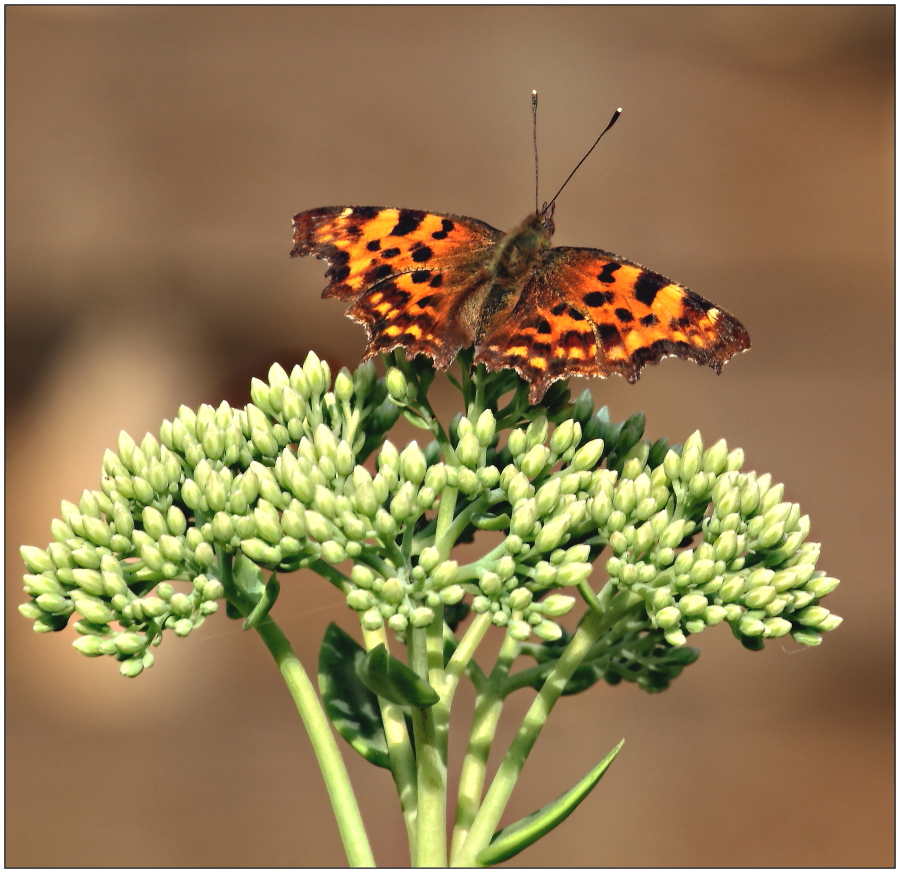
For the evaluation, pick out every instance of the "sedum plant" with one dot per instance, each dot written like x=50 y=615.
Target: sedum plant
x=646 y=543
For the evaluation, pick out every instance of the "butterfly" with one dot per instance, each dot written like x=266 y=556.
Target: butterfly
x=434 y=283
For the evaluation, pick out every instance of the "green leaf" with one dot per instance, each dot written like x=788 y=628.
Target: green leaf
x=391 y=679
x=511 y=840
x=264 y=604
x=352 y=708
x=416 y=420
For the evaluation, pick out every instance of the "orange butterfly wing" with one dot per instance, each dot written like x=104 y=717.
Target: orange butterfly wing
x=590 y=312
x=408 y=272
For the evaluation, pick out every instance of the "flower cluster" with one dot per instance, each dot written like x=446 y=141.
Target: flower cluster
x=284 y=483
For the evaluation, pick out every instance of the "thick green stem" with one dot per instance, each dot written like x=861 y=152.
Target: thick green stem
x=501 y=788
x=431 y=769
x=488 y=706
x=343 y=800
x=403 y=762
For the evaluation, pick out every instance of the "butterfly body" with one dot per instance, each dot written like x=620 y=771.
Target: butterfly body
x=435 y=283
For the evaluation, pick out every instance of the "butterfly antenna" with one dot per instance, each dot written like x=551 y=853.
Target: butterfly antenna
x=534 y=135
x=612 y=121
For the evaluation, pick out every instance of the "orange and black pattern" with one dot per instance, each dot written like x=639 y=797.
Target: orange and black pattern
x=432 y=284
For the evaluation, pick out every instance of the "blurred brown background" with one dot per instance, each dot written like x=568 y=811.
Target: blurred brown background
x=155 y=157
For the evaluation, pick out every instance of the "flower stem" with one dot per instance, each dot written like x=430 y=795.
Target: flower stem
x=431 y=767
x=403 y=762
x=488 y=706
x=343 y=800
x=498 y=794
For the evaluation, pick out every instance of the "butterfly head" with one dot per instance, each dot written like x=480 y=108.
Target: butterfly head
x=546 y=215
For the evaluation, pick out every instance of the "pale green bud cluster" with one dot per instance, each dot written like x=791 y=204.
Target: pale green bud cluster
x=753 y=568
x=283 y=483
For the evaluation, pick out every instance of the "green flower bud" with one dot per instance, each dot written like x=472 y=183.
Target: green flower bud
x=436 y=478
x=519 y=630
x=467 y=482
x=689 y=465
x=421 y=616
x=770 y=536
x=563 y=436
x=548 y=496
x=523 y=518
x=552 y=533
x=573 y=574
x=520 y=599
x=452 y=595
x=445 y=574
x=36 y=560
x=318 y=526
x=403 y=503
x=735 y=460
x=35 y=585
x=643 y=539
x=89 y=610
x=490 y=584
x=175 y=522
x=56 y=604
x=223 y=528
x=182 y=627
x=333 y=552
x=517 y=443
x=90 y=646
x=213 y=590
x=812 y=616
x=715 y=458
x=181 y=604
x=257 y=550
x=536 y=433
x=468 y=450
x=429 y=558
x=669 y=617
x=343 y=385
x=821 y=585
x=363 y=380
x=486 y=428
x=555 y=605
x=362 y=576
x=398 y=623
x=548 y=630
x=384 y=524
x=752 y=627
x=171 y=548
x=413 y=464
x=216 y=495
x=204 y=555
x=625 y=496
x=692 y=605
x=587 y=456
x=396 y=385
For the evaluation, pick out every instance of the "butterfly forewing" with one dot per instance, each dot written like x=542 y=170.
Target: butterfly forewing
x=586 y=300
x=365 y=245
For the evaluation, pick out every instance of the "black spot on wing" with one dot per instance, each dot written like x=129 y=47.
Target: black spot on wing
x=390 y=253
x=647 y=287
x=624 y=315
x=407 y=222
x=543 y=326
x=420 y=276
x=446 y=227
x=609 y=334
x=365 y=211
x=437 y=281
x=376 y=274
x=373 y=245
x=606 y=274
x=421 y=254
x=649 y=320
x=559 y=309
x=598 y=298
x=575 y=315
